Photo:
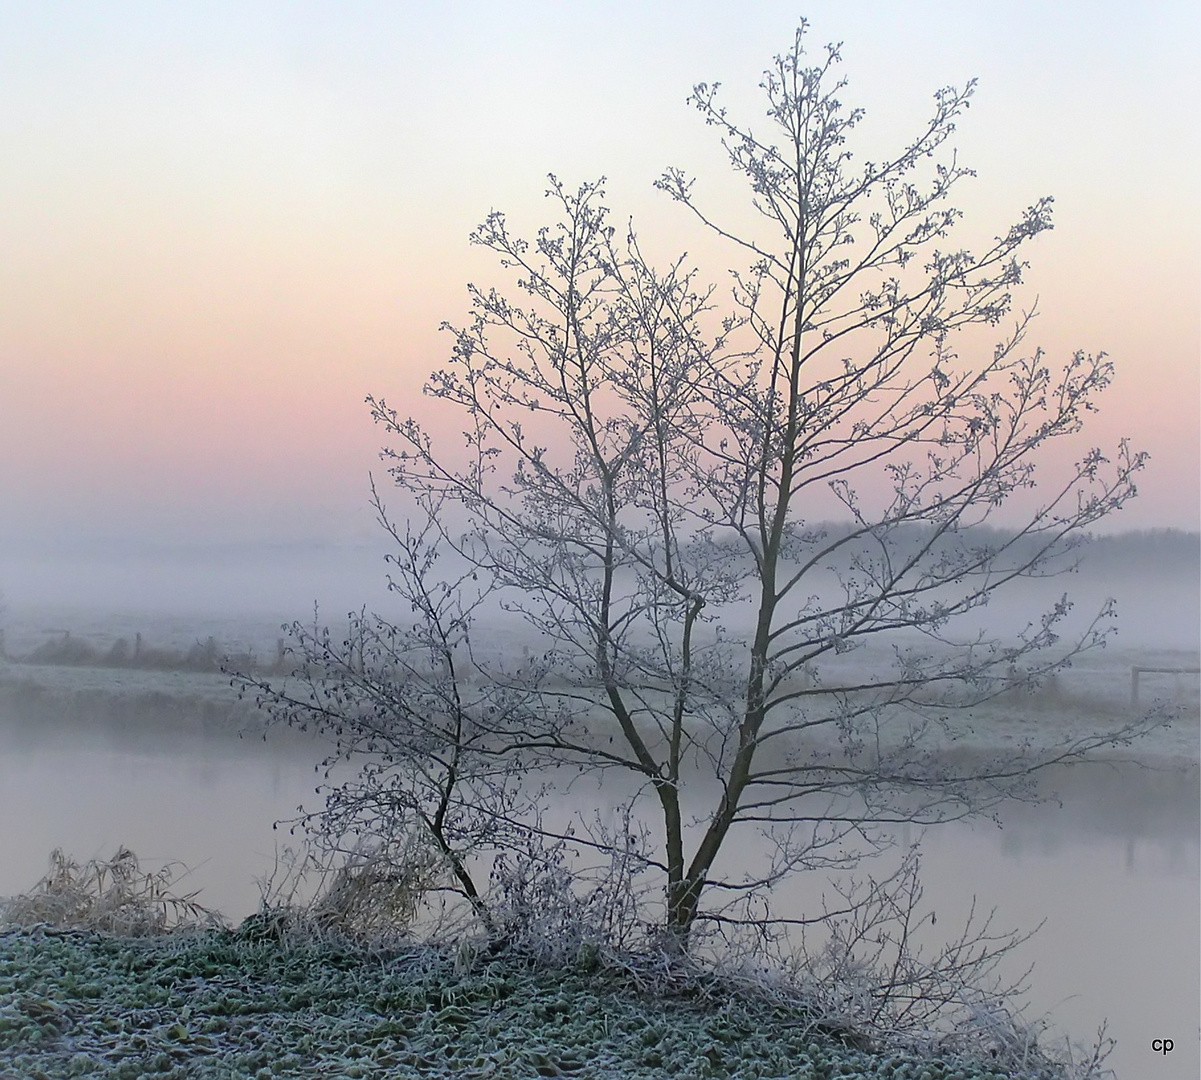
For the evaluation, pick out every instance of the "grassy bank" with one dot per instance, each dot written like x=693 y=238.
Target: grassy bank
x=235 y=1004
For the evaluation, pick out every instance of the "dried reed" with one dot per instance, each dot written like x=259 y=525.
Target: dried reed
x=113 y=896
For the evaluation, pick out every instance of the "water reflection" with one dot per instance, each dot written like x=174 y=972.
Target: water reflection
x=1113 y=871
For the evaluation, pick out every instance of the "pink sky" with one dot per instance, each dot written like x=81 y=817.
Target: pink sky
x=222 y=231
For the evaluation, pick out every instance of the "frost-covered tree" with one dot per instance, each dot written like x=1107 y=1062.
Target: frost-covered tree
x=648 y=464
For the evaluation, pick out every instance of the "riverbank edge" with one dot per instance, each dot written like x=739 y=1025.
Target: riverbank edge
x=147 y=708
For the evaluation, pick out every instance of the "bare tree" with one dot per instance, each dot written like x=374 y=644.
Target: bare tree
x=642 y=488
x=431 y=788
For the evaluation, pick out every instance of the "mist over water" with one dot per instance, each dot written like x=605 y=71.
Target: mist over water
x=1113 y=875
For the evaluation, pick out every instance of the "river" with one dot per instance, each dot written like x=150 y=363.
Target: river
x=1112 y=873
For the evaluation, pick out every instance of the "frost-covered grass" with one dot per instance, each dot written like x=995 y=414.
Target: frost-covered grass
x=232 y=1003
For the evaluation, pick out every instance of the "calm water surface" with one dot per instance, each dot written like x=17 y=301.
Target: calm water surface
x=1114 y=872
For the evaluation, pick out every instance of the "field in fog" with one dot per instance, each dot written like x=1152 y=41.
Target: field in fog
x=117 y=634
x=148 y=704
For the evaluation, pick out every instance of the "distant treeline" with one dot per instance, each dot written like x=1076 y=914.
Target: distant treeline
x=209 y=655
x=1143 y=551
x=1164 y=551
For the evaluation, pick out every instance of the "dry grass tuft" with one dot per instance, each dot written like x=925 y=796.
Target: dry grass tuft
x=373 y=892
x=115 y=896
x=377 y=890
